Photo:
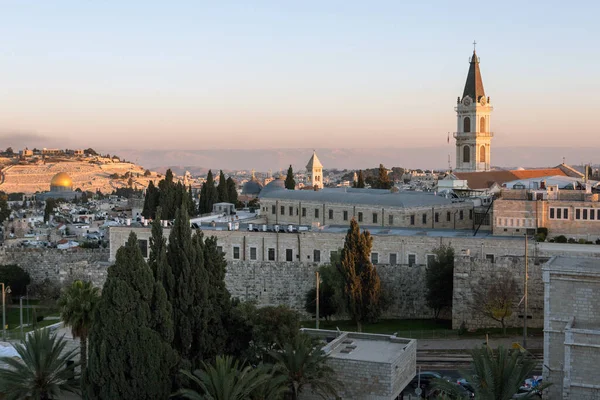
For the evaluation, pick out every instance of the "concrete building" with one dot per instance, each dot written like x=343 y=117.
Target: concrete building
x=572 y=328
x=473 y=135
x=368 y=366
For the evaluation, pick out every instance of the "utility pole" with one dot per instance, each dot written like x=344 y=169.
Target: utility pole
x=317 y=299
x=526 y=300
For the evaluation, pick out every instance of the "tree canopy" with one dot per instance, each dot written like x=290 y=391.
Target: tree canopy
x=290 y=182
x=439 y=277
x=169 y=196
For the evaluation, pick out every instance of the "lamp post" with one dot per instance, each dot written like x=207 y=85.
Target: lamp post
x=5 y=289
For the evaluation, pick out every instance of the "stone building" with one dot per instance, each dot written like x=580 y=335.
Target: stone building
x=368 y=366
x=314 y=170
x=473 y=135
x=573 y=211
x=572 y=328
x=370 y=207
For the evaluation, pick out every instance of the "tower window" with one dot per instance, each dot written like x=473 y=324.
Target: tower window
x=482 y=154
x=467 y=124
x=482 y=124
x=466 y=154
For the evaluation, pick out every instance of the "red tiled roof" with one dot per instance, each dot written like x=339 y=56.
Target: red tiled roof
x=537 y=173
x=485 y=180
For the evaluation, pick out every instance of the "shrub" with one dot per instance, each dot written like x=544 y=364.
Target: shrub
x=540 y=237
x=543 y=230
x=560 y=239
x=571 y=240
x=598 y=241
x=14 y=276
x=582 y=241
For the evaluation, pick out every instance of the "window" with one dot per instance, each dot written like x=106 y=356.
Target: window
x=253 y=253
x=424 y=218
x=273 y=210
x=375 y=258
x=236 y=252
x=316 y=213
x=412 y=219
x=436 y=217
x=271 y=253
x=467 y=124
x=585 y=213
x=374 y=218
x=345 y=215
x=470 y=214
x=412 y=260
x=448 y=216
x=291 y=210
x=330 y=214
x=577 y=213
x=466 y=154
x=552 y=212
x=360 y=217
x=430 y=259
x=461 y=215
x=489 y=257
x=391 y=219
x=303 y=211
x=296 y=210
x=143 y=244
x=317 y=255
x=592 y=213
x=282 y=212
x=482 y=154
x=289 y=255
x=566 y=213
x=393 y=258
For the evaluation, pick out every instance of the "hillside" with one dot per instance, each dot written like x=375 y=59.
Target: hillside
x=86 y=175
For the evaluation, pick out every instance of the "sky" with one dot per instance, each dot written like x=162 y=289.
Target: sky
x=195 y=75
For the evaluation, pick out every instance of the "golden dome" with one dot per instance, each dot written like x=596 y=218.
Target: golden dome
x=61 y=180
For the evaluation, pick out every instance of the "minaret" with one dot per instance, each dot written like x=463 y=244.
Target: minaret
x=473 y=135
x=314 y=169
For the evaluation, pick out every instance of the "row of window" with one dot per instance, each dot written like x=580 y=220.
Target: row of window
x=374 y=217
x=559 y=213
x=587 y=214
x=515 y=222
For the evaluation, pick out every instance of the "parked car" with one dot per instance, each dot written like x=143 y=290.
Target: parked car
x=424 y=378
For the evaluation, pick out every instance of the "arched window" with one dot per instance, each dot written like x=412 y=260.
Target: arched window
x=482 y=154
x=466 y=154
x=467 y=124
x=482 y=124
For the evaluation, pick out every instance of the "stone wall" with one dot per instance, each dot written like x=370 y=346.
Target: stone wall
x=470 y=273
x=61 y=266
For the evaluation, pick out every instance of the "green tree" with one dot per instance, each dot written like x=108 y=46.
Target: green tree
x=16 y=277
x=42 y=372
x=383 y=180
x=362 y=284
x=208 y=194
x=167 y=196
x=232 y=194
x=290 y=182
x=439 y=276
x=328 y=304
x=304 y=365
x=130 y=352
x=203 y=200
x=157 y=259
x=191 y=204
x=77 y=306
x=360 y=182
x=222 y=189
x=494 y=374
x=4 y=208
x=227 y=379
x=495 y=296
x=151 y=200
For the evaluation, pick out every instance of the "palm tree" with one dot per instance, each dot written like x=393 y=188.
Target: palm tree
x=42 y=373
x=494 y=375
x=227 y=379
x=77 y=304
x=304 y=364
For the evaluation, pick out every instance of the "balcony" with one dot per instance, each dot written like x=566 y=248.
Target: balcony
x=472 y=135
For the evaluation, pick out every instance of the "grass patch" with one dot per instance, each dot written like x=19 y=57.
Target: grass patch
x=13 y=318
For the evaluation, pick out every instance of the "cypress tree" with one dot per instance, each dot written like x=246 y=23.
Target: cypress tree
x=383 y=180
x=360 y=183
x=290 y=182
x=130 y=352
x=222 y=188
x=191 y=203
x=232 y=191
x=202 y=208
x=157 y=259
x=149 y=209
x=212 y=196
x=167 y=199
x=189 y=297
x=362 y=284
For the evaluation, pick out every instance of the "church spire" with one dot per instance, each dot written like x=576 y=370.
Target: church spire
x=474 y=84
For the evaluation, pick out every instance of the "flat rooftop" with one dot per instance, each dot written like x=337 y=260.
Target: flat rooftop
x=576 y=264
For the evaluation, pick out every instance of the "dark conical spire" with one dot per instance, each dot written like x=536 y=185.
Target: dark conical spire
x=474 y=84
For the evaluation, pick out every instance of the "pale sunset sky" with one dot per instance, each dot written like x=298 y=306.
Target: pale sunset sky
x=285 y=74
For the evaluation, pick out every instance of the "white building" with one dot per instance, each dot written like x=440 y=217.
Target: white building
x=314 y=169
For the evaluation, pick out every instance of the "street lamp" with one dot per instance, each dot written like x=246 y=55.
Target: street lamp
x=5 y=289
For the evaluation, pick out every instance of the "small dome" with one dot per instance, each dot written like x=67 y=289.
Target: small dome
x=277 y=184
x=251 y=188
x=61 y=182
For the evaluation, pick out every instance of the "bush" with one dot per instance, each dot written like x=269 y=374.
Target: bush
x=16 y=277
x=598 y=241
x=582 y=241
x=540 y=237
x=543 y=231
x=571 y=240
x=560 y=239
x=39 y=318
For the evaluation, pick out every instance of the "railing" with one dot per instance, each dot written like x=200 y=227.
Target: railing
x=467 y=135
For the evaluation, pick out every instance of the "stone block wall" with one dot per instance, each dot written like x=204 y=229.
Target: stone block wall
x=470 y=273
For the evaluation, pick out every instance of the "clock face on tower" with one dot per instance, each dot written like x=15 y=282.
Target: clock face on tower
x=483 y=101
x=467 y=101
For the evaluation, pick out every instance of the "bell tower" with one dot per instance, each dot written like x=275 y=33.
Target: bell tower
x=473 y=135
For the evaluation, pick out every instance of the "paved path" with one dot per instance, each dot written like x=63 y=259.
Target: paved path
x=467 y=344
